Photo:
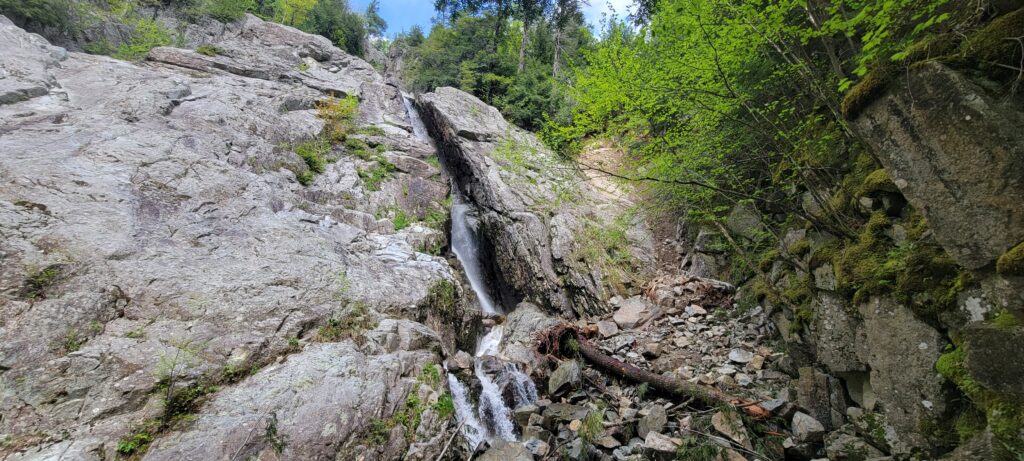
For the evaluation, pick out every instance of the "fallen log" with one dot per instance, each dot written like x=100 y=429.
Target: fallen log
x=567 y=337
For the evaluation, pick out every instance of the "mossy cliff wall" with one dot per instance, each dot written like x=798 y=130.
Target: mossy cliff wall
x=918 y=315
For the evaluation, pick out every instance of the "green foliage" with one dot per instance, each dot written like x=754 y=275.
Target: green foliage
x=1003 y=413
x=430 y=375
x=332 y=19
x=51 y=13
x=445 y=406
x=313 y=152
x=146 y=35
x=350 y=325
x=441 y=298
x=37 y=283
x=72 y=341
x=376 y=174
x=272 y=438
x=478 y=51
x=209 y=50
x=606 y=247
x=135 y=445
x=401 y=220
x=593 y=424
x=227 y=10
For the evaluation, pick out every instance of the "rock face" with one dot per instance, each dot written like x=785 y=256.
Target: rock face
x=958 y=157
x=154 y=231
x=552 y=239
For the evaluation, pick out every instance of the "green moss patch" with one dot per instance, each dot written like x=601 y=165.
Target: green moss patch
x=995 y=43
x=1003 y=414
x=1012 y=262
x=877 y=181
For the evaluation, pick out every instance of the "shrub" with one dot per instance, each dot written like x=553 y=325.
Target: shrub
x=52 y=13
x=445 y=406
x=146 y=35
x=227 y=10
x=339 y=116
x=401 y=219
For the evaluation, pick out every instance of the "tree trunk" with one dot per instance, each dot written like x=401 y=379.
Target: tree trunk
x=706 y=394
x=558 y=51
x=522 y=47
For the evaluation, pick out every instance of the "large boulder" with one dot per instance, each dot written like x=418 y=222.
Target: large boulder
x=547 y=232
x=151 y=216
x=957 y=154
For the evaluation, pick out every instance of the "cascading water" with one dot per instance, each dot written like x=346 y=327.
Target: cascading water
x=418 y=128
x=492 y=417
x=466 y=249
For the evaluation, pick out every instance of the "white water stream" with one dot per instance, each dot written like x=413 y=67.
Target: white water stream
x=466 y=249
x=418 y=128
x=492 y=418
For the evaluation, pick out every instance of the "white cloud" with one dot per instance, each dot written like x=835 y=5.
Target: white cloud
x=598 y=7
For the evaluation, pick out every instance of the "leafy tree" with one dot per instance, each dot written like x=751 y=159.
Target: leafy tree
x=415 y=36
x=227 y=10
x=53 y=13
x=333 y=19
x=375 y=24
x=293 y=12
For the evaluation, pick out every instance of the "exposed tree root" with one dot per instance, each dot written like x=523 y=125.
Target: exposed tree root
x=566 y=337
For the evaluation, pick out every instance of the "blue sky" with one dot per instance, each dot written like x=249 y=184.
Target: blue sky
x=402 y=14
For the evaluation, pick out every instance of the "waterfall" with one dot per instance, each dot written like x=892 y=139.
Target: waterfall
x=492 y=409
x=524 y=391
x=418 y=128
x=467 y=251
x=490 y=418
x=472 y=430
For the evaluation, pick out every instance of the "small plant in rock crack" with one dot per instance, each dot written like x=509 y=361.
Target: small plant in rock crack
x=593 y=425
x=641 y=391
x=72 y=341
x=349 y=325
x=209 y=50
x=430 y=375
x=272 y=438
x=445 y=406
x=37 y=283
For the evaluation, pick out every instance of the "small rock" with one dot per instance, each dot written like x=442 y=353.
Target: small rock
x=506 y=451
x=567 y=376
x=607 y=328
x=537 y=447
x=607 y=442
x=633 y=311
x=806 y=428
x=840 y=446
x=652 y=350
x=565 y=412
x=730 y=425
x=694 y=309
x=654 y=421
x=660 y=443
x=743 y=379
x=741 y=356
x=726 y=370
x=575 y=425
x=460 y=361
x=523 y=414
x=726 y=380
x=757 y=362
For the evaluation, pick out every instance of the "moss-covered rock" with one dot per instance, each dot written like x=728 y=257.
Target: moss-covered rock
x=1012 y=262
x=877 y=181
